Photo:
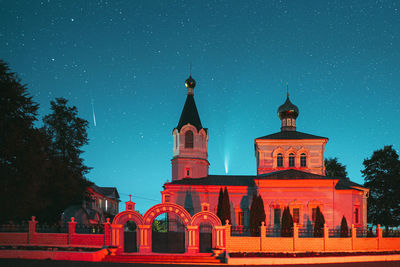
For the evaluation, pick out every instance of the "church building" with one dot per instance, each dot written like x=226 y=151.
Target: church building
x=290 y=172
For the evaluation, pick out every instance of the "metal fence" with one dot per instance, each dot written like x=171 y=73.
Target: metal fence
x=240 y=231
x=273 y=232
x=339 y=233
x=55 y=228
x=366 y=232
x=89 y=229
x=14 y=228
x=391 y=233
x=306 y=232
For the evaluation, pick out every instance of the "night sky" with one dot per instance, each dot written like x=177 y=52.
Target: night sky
x=127 y=61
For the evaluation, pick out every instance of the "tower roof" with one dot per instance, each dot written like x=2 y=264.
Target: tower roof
x=288 y=109
x=189 y=112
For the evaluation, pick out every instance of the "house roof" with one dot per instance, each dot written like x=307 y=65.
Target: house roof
x=291 y=135
x=189 y=114
x=291 y=174
x=110 y=192
x=248 y=180
x=233 y=180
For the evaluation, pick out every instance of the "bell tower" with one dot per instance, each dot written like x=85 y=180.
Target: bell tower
x=190 y=157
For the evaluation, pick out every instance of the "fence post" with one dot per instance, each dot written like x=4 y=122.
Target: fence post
x=263 y=233
x=326 y=236
x=227 y=235
x=353 y=237
x=32 y=231
x=295 y=235
x=71 y=230
x=379 y=236
x=107 y=233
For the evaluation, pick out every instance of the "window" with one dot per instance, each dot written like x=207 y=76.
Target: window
x=291 y=160
x=189 y=139
x=314 y=214
x=296 y=215
x=356 y=219
x=188 y=172
x=106 y=206
x=279 y=160
x=303 y=160
x=289 y=122
x=277 y=217
x=240 y=218
x=167 y=198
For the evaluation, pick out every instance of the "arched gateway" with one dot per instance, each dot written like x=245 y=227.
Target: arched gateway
x=133 y=232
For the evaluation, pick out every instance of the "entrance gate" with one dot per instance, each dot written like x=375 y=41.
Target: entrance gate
x=205 y=232
x=130 y=242
x=168 y=234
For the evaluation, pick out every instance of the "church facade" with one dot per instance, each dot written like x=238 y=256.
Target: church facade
x=290 y=172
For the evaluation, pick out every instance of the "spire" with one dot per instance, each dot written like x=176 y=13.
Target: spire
x=189 y=112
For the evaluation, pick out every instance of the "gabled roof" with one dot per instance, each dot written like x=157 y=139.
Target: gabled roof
x=189 y=114
x=347 y=184
x=110 y=192
x=233 y=180
x=291 y=135
x=291 y=174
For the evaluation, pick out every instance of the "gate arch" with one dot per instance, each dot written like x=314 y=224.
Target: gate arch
x=200 y=220
x=120 y=220
x=163 y=208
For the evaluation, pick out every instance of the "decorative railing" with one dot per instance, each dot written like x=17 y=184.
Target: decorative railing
x=240 y=231
x=339 y=233
x=56 y=228
x=14 y=228
x=273 y=232
x=306 y=232
x=365 y=232
x=391 y=233
x=89 y=229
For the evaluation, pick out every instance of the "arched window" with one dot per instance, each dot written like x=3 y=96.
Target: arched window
x=291 y=160
x=279 y=160
x=303 y=160
x=189 y=139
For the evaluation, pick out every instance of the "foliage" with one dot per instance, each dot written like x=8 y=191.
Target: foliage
x=333 y=168
x=257 y=214
x=319 y=223
x=382 y=176
x=219 y=206
x=287 y=223
x=35 y=180
x=344 y=229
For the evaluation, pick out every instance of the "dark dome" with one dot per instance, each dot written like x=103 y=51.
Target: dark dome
x=288 y=110
x=190 y=82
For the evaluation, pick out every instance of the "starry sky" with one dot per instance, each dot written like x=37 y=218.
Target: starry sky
x=126 y=62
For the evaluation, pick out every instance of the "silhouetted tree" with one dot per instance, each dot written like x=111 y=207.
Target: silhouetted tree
x=219 y=207
x=226 y=207
x=257 y=214
x=287 y=223
x=333 y=168
x=344 y=229
x=382 y=176
x=319 y=223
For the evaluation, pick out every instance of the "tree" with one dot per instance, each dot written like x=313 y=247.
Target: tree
x=319 y=223
x=23 y=160
x=224 y=207
x=219 y=207
x=382 y=176
x=333 y=168
x=344 y=229
x=287 y=223
x=66 y=184
x=257 y=214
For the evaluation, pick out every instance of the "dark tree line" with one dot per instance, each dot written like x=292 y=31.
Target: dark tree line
x=224 y=206
x=41 y=171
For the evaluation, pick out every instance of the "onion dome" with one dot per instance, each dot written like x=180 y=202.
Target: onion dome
x=190 y=82
x=288 y=110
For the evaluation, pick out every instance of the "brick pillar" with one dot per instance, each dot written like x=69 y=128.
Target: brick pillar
x=326 y=236
x=71 y=230
x=379 y=236
x=32 y=231
x=194 y=236
x=107 y=233
x=263 y=233
x=145 y=244
x=226 y=234
x=353 y=237
x=116 y=230
x=295 y=235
